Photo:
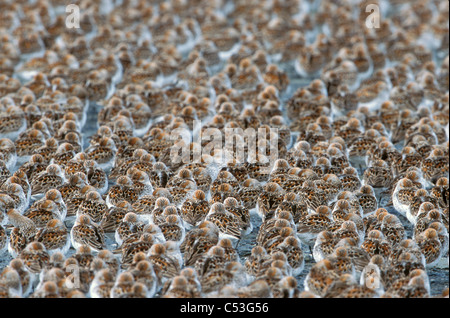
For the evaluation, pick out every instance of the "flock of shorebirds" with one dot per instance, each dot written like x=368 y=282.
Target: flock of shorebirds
x=363 y=150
